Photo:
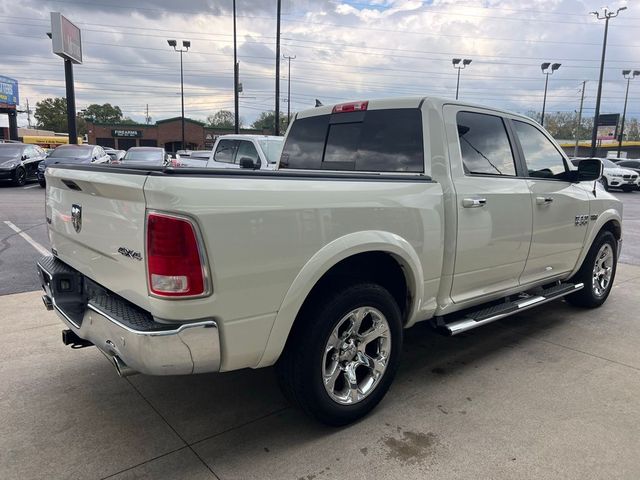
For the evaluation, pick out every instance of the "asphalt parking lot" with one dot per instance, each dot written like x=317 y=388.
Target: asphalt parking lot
x=550 y=393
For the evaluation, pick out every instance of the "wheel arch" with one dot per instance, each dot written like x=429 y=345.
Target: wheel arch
x=609 y=220
x=380 y=256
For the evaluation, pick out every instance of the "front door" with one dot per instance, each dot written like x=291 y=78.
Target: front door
x=560 y=208
x=493 y=207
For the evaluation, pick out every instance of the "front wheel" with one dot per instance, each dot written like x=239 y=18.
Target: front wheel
x=343 y=353
x=20 y=177
x=597 y=272
x=42 y=183
x=628 y=188
x=605 y=183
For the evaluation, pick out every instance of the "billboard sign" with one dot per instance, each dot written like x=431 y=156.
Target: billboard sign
x=66 y=38
x=9 y=91
x=608 y=126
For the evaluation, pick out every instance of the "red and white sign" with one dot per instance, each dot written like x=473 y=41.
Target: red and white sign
x=66 y=38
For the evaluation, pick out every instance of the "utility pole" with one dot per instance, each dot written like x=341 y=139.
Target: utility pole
x=289 y=88
x=28 y=114
x=607 y=14
x=277 y=112
x=236 y=102
x=579 y=123
x=629 y=75
x=146 y=117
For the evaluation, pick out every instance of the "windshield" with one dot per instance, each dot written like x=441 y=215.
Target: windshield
x=144 y=156
x=71 y=152
x=609 y=164
x=8 y=150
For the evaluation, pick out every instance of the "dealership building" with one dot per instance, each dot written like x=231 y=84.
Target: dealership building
x=164 y=133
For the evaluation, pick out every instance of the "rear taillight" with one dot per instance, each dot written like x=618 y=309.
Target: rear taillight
x=174 y=262
x=351 y=107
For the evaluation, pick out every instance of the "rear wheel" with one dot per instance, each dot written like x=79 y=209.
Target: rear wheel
x=597 y=272
x=343 y=353
x=20 y=177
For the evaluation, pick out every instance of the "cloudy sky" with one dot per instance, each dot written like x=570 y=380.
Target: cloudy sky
x=345 y=50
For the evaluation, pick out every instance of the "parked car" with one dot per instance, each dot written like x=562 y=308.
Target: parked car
x=382 y=214
x=147 y=156
x=615 y=176
x=19 y=162
x=258 y=152
x=64 y=154
x=115 y=155
x=630 y=165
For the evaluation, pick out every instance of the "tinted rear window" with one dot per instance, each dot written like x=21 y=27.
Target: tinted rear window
x=375 y=140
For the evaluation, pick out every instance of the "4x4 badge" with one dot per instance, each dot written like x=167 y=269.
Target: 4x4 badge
x=76 y=217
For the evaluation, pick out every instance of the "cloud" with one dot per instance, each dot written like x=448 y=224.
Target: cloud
x=350 y=49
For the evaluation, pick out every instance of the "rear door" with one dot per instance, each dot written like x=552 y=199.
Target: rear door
x=557 y=205
x=493 y=205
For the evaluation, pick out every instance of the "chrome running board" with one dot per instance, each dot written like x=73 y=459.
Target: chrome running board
x=496 y=312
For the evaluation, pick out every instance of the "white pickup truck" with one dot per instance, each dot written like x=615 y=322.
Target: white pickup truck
x=381 y=214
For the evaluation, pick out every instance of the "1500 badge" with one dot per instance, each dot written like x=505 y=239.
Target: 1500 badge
x=130 y=253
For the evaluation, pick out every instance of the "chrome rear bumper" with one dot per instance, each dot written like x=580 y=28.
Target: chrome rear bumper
x=123 y=331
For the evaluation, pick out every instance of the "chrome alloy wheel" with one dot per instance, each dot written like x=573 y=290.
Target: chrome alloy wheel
x=602 y=270
x=356 y=355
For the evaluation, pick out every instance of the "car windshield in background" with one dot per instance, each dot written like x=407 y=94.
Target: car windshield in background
x=71 y=152
x=9 y=150
x=609 y=164
x=144 y=156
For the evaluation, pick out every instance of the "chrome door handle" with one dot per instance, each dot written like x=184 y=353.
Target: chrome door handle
x=474 y=202
x=544 y=200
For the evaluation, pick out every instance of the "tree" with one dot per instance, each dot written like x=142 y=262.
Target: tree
x=221 y=119
x=51 y=114
x=105 y=113
x=265 y=121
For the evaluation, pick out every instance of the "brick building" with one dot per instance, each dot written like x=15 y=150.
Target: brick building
x=164 y=133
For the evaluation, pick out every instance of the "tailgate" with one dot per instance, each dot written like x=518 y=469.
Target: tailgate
x=97 y=226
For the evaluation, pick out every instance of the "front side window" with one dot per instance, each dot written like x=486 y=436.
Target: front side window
x=226 y=151
x=484 y=145
x=541 y=156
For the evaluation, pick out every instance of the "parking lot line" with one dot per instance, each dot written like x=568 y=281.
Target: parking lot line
x=30 y=186
x=28 y=238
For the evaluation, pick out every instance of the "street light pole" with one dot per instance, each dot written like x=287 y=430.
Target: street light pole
x=277 y=112
x=185 y=48
x=459 y=64
x=546 y=72
x=579 y=122
x=236 y=121
x=607 y=14
x=629 y=75
x=289 y=88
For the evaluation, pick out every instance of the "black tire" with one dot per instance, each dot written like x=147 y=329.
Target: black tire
x=42 y=183
x=605 y=184
x=300 y=367
x=20 y=177
x=628 y=189
x=587 y=297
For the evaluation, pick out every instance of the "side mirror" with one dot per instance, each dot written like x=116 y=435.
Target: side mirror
x=589 y=170
x=246 y=162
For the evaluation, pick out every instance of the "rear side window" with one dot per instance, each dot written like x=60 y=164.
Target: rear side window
x=375 y=140
x=484 y=145
x=226 y=151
